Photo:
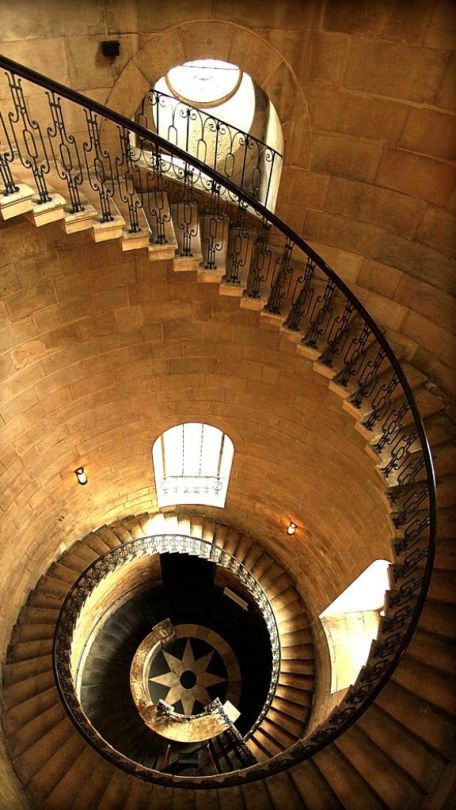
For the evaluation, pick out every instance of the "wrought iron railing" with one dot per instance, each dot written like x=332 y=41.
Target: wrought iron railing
x=239 y=156
x=273 y=267
x=83 y=588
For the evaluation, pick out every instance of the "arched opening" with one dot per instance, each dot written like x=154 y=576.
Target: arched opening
x=192 y=465
x=216 y=112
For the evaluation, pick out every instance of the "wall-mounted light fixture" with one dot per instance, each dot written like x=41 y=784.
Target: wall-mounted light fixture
x=81 y=476
x=291 y=528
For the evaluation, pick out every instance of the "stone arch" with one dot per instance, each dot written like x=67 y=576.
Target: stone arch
x=202 y=39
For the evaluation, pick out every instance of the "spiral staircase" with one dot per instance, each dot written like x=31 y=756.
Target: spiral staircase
x=388 y=742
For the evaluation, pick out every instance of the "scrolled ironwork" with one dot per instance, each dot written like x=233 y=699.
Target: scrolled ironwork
x=237 y=155
x=97 y=572
x=163 y=168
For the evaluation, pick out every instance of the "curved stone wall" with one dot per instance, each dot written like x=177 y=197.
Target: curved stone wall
x=104 y=351
x=368 y=177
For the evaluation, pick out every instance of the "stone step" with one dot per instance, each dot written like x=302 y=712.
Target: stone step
x=256 y=796
x=81 y=769
x=297 y=681
x=378 y=769
x=38 y=615
x=283 y=792
x=425 y=721
x=49 y=775
x=439 y=618
x=94 y=780
x=97 y=544
x=17 y=717
x=25 y=650
x=42 y=750
x=23 y=670
x=292 y=694
x=32 y=632
x=116 y=792
x=32 y=731
x=270 y=745
x=286 y=708
x=278 y=731
x=51 y=586
x=407 y=751
x=314 y=790
x=112 y=229
x=108 y=536
x=63 y=573
x=23 y=690
x=430 y=684
x=345 y=781
x=433 y=650
x=288 y=721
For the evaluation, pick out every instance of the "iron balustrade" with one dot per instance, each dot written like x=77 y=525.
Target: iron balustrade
x=94 y=574
x=126 y=164
x=248 y=161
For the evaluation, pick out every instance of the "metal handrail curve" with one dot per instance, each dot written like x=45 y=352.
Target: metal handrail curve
x=379 y=674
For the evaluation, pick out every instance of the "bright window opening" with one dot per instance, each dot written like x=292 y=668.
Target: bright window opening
x=220 y=88
x=205 y=82
x=351 y=623
x=192 y=465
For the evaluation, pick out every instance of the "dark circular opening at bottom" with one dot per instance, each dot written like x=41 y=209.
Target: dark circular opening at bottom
x=188 y=679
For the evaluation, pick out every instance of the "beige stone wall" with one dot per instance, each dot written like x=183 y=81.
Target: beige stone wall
x=98 y=355
x=365 y=93
x=102 y=351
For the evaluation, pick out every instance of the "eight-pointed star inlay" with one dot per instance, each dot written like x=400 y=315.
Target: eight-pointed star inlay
x=188 y=679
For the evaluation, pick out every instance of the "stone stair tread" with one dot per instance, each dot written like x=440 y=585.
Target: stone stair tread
x=426 y=722
x=345 y=781
x=23 y=690
x=22 y=713
x=314 y=790
x=256 y=796
x=267 y=743
x=18 y=671
x=428 y=683
x=41 y=750
x=36 y=728
x=32 y=632
x=407 y=751
x=283 y=792
x=44 y=781
x=25 y=650
x=433 y=650
x=389 y=781
x=108 y=536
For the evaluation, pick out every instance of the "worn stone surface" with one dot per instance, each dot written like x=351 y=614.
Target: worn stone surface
x=97 y=356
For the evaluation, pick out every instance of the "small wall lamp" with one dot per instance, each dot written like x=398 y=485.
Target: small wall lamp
x=291 y=528
x=81 y=476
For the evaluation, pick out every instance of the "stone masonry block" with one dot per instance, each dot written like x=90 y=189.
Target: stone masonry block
x=417 y=175
x=23 y=303
x=345 y=156
x=355 y=114
x=430 y=132
x=389 y=209
x=438 y=229
x=328 y=57
x=394 y=69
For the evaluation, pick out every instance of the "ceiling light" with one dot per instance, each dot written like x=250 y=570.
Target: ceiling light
x=291 y=528
x=81 y=476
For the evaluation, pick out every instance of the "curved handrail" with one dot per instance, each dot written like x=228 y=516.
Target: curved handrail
x=161 y=94
x=240 y=156
x=83 y=587
x=373 y=677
